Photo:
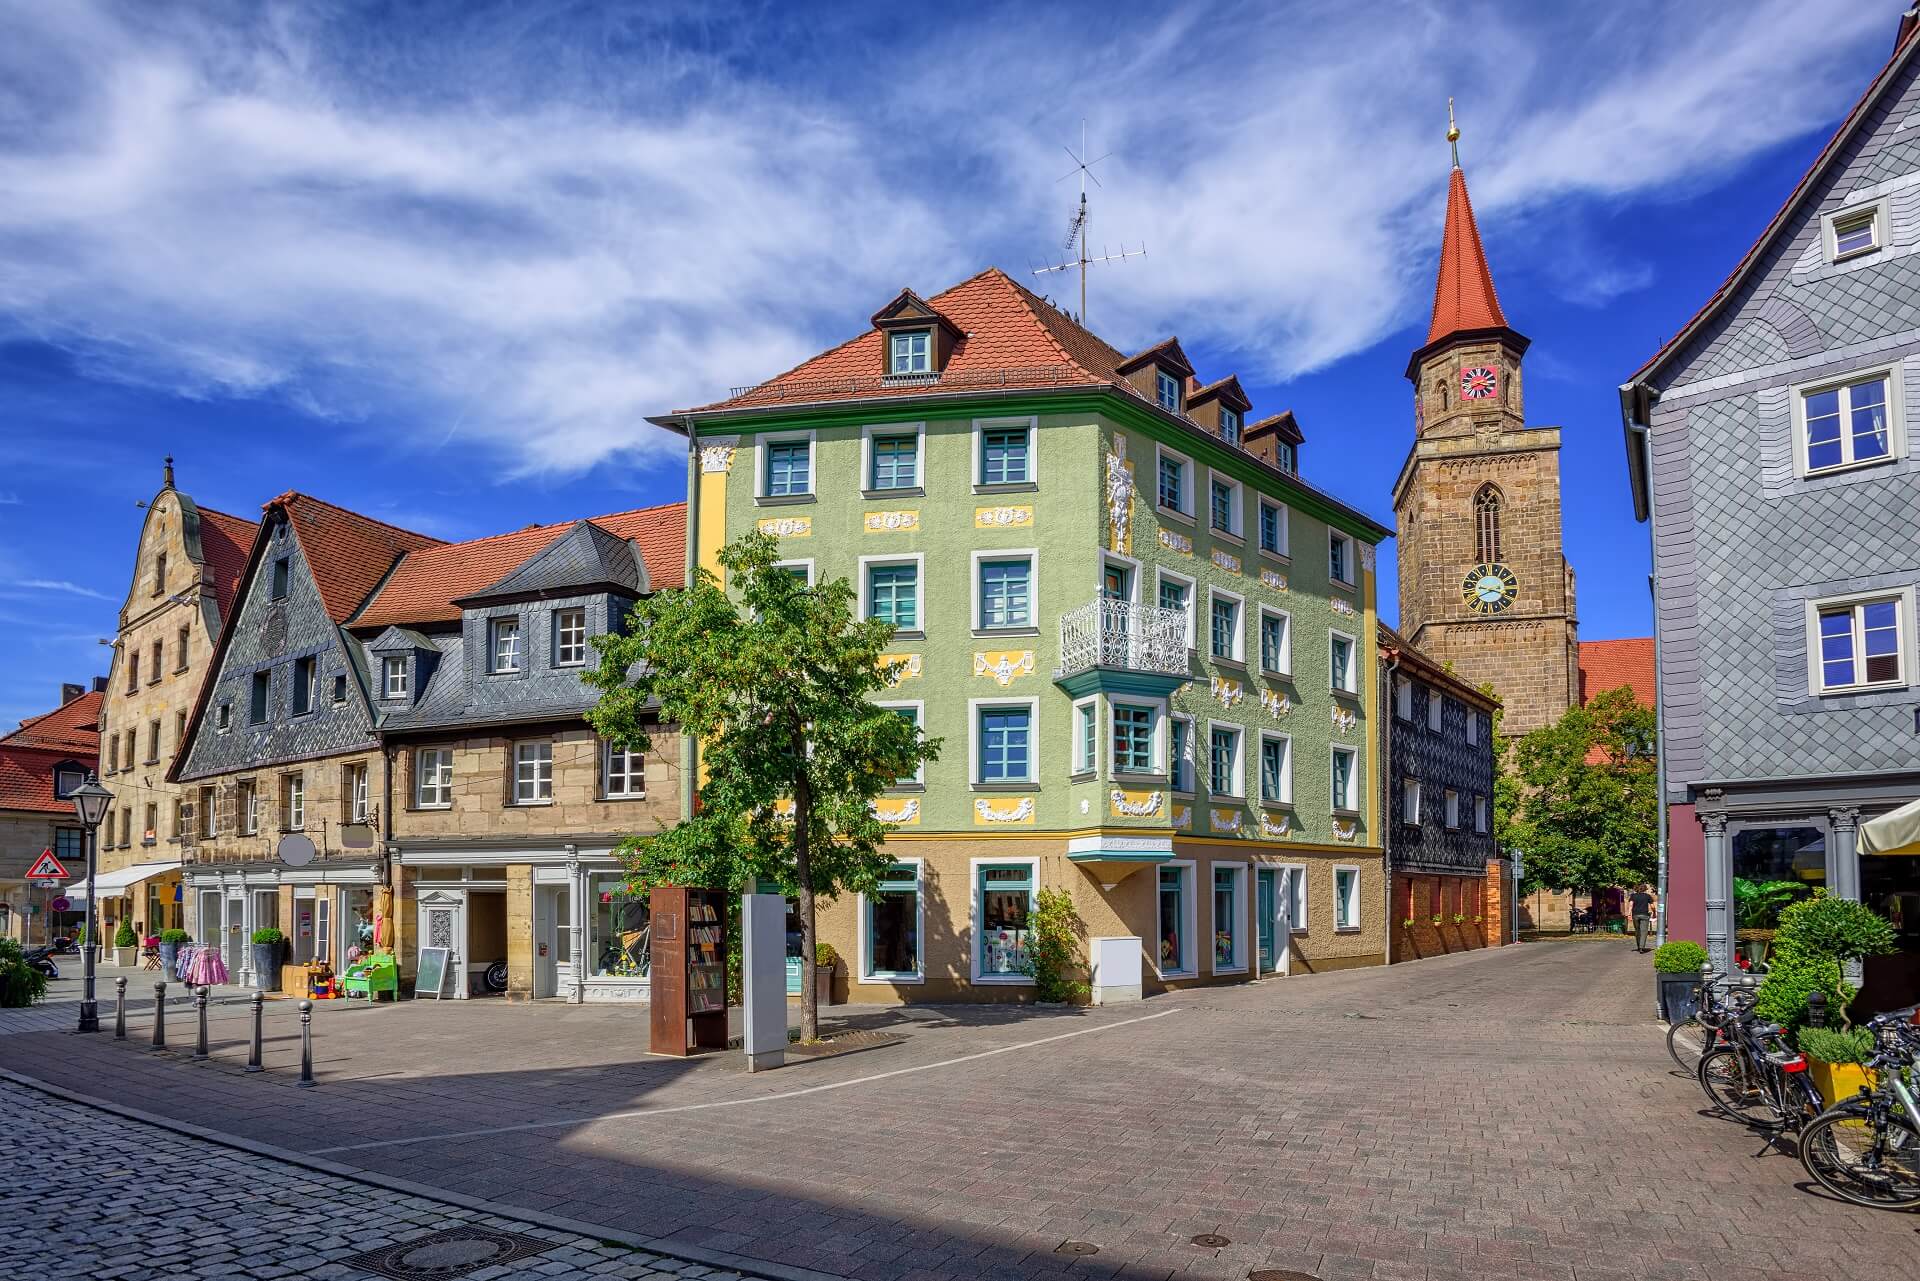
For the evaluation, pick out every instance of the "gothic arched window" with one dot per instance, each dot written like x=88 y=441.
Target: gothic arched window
x=1486 y=522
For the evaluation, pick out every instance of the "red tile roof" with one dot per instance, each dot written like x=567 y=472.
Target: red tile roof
x=347 y=553
x=1463 y=296
x=423 y=588
x=224 y=543
x=70 y=732
x=1609 y=664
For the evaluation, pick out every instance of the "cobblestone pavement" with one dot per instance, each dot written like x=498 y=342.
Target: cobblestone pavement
x=146 y=1203
x=1508 y=1116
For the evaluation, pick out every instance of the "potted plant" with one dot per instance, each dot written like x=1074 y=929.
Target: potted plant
x=1407 y=924
x=1756 y=913
x=170 y=941
x=1436 y=920
x=1815 y=936
x=126 y=945
x=1676 y=978
x=824 y=958
x=266 y=958
x=1835 y=1060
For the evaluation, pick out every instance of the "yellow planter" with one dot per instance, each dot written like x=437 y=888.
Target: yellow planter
x=1837 y=1081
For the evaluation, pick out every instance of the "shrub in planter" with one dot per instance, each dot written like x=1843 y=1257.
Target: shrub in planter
x=824 y=959
x=170 y=941
x=20 y=984
x=1834 y=1060
x=1682 y=956
x=125 y=937
x=1676 y=978
x=1814 y=936
x=267 y=943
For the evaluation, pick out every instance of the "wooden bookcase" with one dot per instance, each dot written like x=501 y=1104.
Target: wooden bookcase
x=689 y=971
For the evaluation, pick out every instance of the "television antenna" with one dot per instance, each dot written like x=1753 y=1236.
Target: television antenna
x=1078 y=241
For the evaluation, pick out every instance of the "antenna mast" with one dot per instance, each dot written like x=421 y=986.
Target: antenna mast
x=1077 y=237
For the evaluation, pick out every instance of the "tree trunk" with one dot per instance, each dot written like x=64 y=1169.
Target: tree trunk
x=803 y=879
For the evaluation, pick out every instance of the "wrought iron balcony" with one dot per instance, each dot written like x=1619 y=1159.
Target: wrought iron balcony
x=1120 y=637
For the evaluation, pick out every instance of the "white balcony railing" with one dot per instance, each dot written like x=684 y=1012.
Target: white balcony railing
x=1119 y=633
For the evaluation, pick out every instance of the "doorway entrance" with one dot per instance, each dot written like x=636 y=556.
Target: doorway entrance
x=1273 y=928
x=552 y=939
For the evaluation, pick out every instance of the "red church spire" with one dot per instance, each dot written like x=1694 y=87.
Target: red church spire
x=1463 y=295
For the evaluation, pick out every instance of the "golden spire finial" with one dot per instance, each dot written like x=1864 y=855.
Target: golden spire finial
x=1453 y=134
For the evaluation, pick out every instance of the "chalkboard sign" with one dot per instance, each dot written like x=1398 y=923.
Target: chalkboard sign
x=432 y=977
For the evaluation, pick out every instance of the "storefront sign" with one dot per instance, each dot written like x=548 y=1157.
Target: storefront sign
x=431 y=979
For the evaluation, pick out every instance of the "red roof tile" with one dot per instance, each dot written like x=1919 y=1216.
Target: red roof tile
x=347 y=553
x=73 y=726
x=423 y=588
x=1609 y=664
x=1463 y=296
x=224 y=543
x=70 y=732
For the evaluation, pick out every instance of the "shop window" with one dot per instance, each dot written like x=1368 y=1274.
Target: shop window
x=323 y=927
x=1004 y=907
x=1773 y=868
x=892 y=924
x=1176 y=949
x=356 y=916
x=1226 y=919
x=619 y=928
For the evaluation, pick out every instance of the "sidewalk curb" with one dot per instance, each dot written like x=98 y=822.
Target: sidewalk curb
x=761 y=1269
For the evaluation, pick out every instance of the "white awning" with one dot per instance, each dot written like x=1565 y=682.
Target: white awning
x=115 y=883
x=1894 y=833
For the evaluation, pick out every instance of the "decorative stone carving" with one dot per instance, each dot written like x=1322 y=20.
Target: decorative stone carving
x=1271 y=828
x=1276 y=704
x=1345 y=829
x=1181 y=819
x=1227 y=822
x=1713 y=824
x=1277 y=581
x=1227 y=692
x=1366 y=557
x=1135 y=805
x=990 y=811
x=1002 y=517
x=894 y=522
x=1344 y=720
x=716 y=458
x=1226 y=560
x=1119 y=497
x=787 y=526
x=906 y=667
x=1341 y=605
x=1005 y=666
x=903 y=811
x=1174 y=541
x=273 y=632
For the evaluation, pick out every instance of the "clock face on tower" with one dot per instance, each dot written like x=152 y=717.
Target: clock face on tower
x=1489 y=589
x=1479 y=382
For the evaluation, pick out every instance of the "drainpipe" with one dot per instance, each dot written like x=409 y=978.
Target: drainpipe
x=1641 y=430
x=689 y=763
x=1384 y=786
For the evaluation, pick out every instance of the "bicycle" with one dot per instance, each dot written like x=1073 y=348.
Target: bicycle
x=1757 y=1079
x=1708 y=1021
x=1866 y=1149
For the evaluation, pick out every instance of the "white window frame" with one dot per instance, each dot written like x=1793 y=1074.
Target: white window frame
x=1335 y=537
x=1239 y=780
x=865 y=973
x=918 y=430
x=1161 y=574
x=1032 y=556
x=249 y=806
x=1352 y=688
x=1285 y=554
x=1480 y=815
x=1876 y=210
x=293 y=795
x=494 y=630
x=559 y=644
x=1297 y=894
x=1190 y=919
x=1163 y=380
x=390 y=668
x=634 y=777
x=976 y=908
x=1409 y=801
x=865 y=589
x=1239 y=420
x=1452 y=814
x=761 y=444
x=983 y=425
x=1243 y=914
x=1403 y=698
x=1187 y=514
x=919 y=706
x=975 y=706
x=1156 y=736
x=1133 y=572
x=1351 y=903
x=804 y=563
x=1086 y=743
x=1354 y=782
x=1173 y=774
x=1286 y=642
x=1903 y=601
x=894 y=352
x=1436 y=709
x=1286 y=775
x=358 y=798
x=1798 y=393
x=1239 y=654
x=1237 y=513
x=535 y=779
x=440 y=782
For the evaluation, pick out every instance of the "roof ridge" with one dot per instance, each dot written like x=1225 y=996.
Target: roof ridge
x=1040 y=307
x=295 y=494
x=205 y=510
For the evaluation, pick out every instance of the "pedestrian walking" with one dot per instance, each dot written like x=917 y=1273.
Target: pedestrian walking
x=1642 y=905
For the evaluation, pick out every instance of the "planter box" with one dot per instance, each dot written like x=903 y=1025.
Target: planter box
x=1837 y=1081
x=1678 y=994
x=266 y=966
x=823 y=985
x=169 y=953
x=126 y=957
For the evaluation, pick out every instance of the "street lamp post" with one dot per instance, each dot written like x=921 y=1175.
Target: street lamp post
x=90 y=801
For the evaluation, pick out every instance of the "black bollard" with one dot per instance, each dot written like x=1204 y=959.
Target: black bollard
x=253 y=1056
x=1817 y=1008
x=200 y=1008
x=159 y=1016
x=306 y=1043
x=120 y=1008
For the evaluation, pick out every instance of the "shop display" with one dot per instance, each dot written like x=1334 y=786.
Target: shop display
x=688 y=934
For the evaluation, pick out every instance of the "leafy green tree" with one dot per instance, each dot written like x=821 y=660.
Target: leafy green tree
x=773 y=682
x=1583 y=804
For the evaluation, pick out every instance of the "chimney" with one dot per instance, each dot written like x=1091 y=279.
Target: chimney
x=69 y=692
x=99 y=684
x=168 y=472
x=1909 y=22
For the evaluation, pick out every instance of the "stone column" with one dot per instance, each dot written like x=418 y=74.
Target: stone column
x=577 y=914
x=1843 y=870
x=1719 y=882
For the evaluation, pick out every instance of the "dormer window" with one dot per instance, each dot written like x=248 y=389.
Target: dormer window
x=910 y=352
x=505 y=645
x=394 y=673
x=1169 y=392
x=1230 y=425
x=1289 y=460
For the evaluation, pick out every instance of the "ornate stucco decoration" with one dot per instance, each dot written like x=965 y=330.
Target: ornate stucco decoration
x=1182 y=818
x=787 y=526
x=1344 y=720
x=1174 y=541
x=1135 y=804
x=904 y=811
x=1008 y=811
x=894 y=522
x=1341 y=605
x=1227 y=822
x=1226 y=560
x=1004 y=665
x=1119 y=497
x=1283 y=827
x=1366 y=557
x=1276 y=704
x=1002 y=517
x=1345 y=829
x=716 y=458
x=905 y=667
x=1277 y=581
x=1228 y=692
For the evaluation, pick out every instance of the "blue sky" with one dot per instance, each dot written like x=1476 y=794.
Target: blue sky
x=437 y=261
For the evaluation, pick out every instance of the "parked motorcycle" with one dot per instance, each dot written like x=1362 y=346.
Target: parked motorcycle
x=41 y=958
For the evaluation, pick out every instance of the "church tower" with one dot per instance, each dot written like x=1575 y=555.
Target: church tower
x=1484 y=584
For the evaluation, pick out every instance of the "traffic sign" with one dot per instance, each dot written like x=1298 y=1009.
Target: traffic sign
x=47 y=868
x=60 y=905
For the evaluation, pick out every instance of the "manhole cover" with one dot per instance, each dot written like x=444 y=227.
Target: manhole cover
x=1211 y=1240
x=1076 y=1247
x=1280 y=1274
x=445 y=1255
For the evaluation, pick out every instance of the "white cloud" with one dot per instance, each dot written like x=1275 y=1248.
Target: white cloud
x=531 y=232
x=59 y=585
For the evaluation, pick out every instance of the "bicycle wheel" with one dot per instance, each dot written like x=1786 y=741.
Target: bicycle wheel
x=1685 y=1060
x=1846 y=1156
x=1736 y=1087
